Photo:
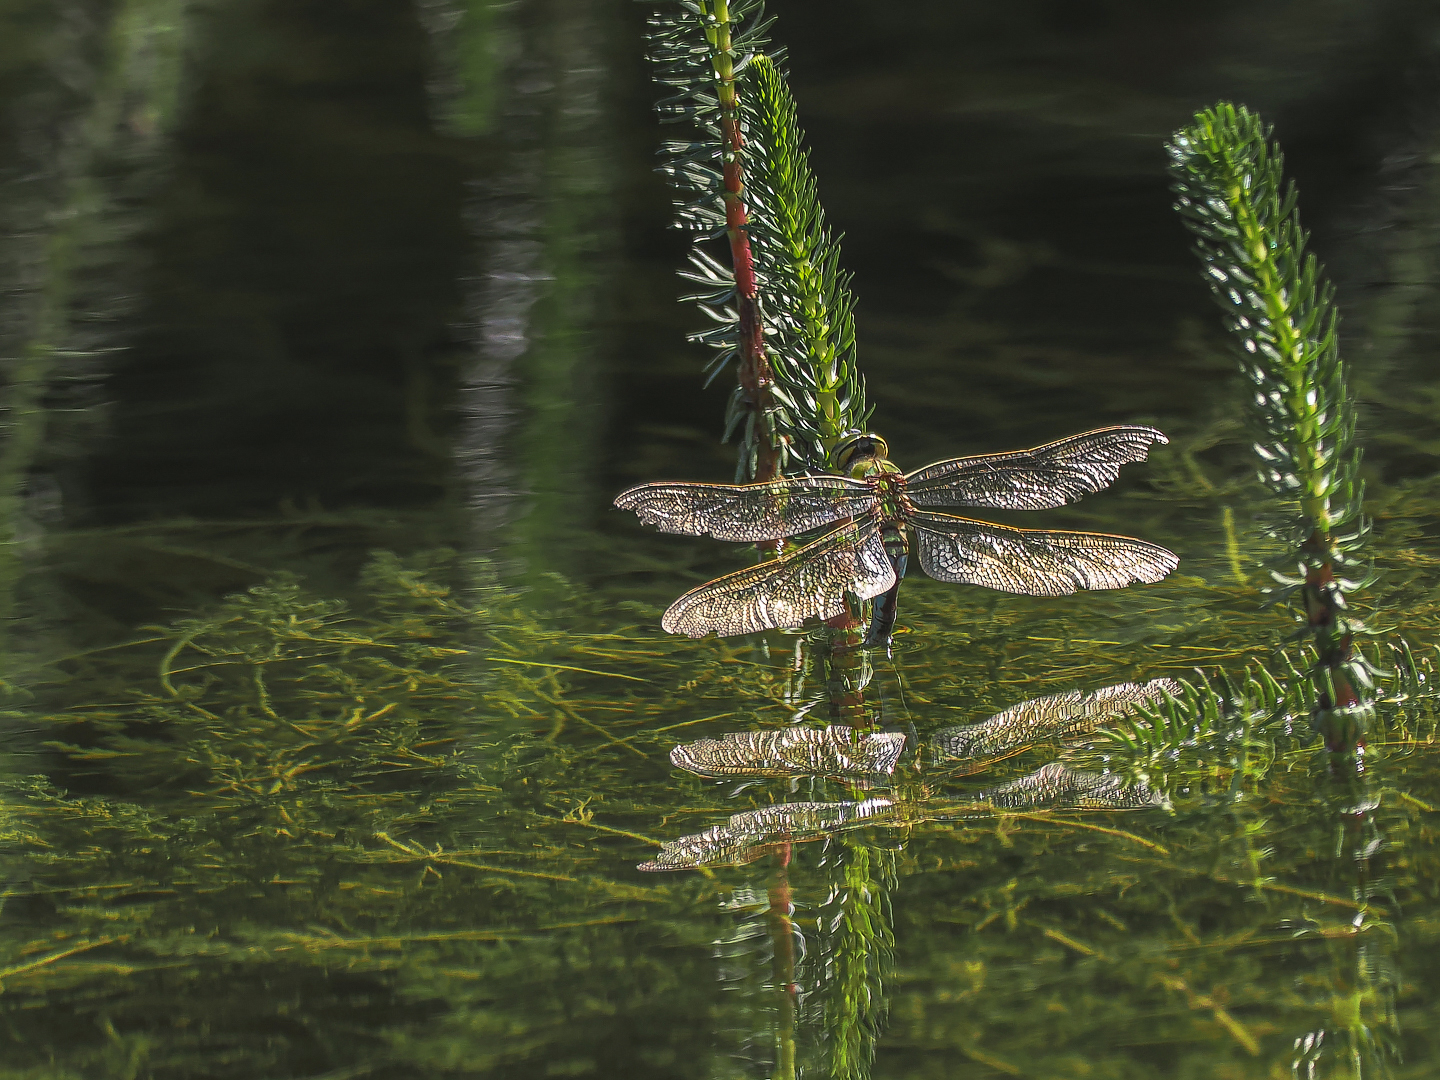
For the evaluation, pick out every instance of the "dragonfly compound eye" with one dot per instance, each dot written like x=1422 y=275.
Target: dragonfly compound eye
x=855 y=447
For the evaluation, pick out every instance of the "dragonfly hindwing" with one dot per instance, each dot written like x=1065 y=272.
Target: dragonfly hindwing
x=1037 y=562
x=810 y=582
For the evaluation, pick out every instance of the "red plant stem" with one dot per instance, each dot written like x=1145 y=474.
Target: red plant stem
x=782 y=944
x=754 y=373
x=1333 y=649
x=782 y=921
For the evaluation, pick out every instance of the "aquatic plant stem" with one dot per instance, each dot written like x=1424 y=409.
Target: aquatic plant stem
x=1228 y=177
x=815 y=365
x=754 y=373
x=1319 y=596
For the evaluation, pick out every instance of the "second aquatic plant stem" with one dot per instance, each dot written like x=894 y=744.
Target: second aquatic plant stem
x=1290 y=354
x=1229 y=177
x=806 y=262
x=1302 y=402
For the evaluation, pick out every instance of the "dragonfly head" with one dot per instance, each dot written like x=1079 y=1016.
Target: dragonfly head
x=856 y=448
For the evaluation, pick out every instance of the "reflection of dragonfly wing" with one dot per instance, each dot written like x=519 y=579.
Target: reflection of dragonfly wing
x=810 y=582
x=1037 y=562
x=1039 y=479
x=1053 y=716
x=749 y=512
x=792 y=751
x=1057 y=784
x=752 y=833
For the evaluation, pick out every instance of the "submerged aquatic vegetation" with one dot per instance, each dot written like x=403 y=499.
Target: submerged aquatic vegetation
x=435 y=794
x=377 y=797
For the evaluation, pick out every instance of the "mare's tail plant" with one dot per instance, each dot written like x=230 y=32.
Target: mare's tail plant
x=766 y=263
x=1279 y=307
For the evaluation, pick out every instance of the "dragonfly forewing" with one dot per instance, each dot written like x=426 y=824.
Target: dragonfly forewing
x=1040 y=479
x=749 y=512
x=1037 y=562
x=810 y=582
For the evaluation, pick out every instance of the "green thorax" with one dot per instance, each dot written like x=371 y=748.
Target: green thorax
x=866 y=457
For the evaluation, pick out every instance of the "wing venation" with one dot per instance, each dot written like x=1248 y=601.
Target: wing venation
x=748 y=512
x=810 y=582
x=1040 y=479
x=1035 y=562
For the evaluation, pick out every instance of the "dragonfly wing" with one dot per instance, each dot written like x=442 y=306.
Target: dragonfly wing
x=810 y=582
x=1035 y=562
x=749 y=512
x=1039 y=479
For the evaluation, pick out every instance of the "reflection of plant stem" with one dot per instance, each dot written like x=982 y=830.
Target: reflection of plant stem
x=1232 y=546
x=782 y=942
x=846 y=664
x=856 y=947
x=133 y=106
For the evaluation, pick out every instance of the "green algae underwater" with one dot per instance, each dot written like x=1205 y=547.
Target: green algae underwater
x=322 y=792
x=415 y=818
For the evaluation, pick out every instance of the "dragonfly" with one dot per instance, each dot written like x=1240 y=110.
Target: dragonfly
x=873 y=506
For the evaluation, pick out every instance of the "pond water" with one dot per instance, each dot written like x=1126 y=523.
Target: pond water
x=338 y=717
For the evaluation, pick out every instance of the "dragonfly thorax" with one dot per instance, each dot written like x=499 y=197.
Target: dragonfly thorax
x=891 y=502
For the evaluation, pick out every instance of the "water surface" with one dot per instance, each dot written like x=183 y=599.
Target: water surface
x=338 y=715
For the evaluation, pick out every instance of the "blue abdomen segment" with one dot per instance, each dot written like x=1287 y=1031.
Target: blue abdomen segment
x=882 y=622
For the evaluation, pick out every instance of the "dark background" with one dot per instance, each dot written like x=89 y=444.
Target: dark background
x=279 y=308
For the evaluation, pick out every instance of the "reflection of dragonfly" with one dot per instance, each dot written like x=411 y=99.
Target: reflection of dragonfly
x=865 y=557
x=750 y=834
x=842 y=752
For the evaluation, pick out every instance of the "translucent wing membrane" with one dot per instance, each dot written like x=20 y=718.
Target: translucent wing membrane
x=749 y=512
x=1036 y=562
x=1039 y=479
x=810 y=582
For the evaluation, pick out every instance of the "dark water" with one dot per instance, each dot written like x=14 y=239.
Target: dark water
x=338 y=715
